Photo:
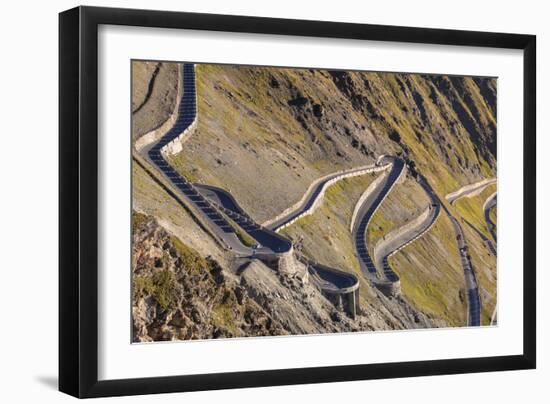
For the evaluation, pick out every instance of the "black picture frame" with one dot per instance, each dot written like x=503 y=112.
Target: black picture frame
x=78 y=201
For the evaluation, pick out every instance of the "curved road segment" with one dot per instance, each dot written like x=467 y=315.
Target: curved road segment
x=406 y=234
x=365 y=213
x=186 y=116
x=469 y=190
x=211 y=202
x=226 y=203
x=489 y=204
x=311 y=197
x=332 y=280
x=474 y=302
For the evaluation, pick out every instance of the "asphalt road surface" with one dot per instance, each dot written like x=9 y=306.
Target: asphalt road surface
x=211 y=202
x=186 y=116
x=225 y=202
x=330 y=279
x=365 y=213
x=407 y=234
x=469 y=190
x=474 y=302
x=490 y=203
x=308 y=200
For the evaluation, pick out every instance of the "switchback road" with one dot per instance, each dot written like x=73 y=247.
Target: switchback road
x=408 y=233
x=213 y=203
x=364 y=215
x=314 y=195
x=469 y=190
x=490 y=203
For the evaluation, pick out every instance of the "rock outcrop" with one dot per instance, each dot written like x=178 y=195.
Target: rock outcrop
x=180 y=295
x=177 y=294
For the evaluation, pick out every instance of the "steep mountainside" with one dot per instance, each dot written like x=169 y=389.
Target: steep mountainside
x=276 y=130
x=153 y=95
x=470 y=212
x=179 y=294
x=406 y=201
x=471 y=209
x=325 y=235
x=265 y=134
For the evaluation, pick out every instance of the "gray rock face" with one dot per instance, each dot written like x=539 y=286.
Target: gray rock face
x=179 y=295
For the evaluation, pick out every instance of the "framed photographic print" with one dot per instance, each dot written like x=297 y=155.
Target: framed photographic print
x=250 y=201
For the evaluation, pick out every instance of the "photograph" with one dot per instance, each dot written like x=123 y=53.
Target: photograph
x=273 y=201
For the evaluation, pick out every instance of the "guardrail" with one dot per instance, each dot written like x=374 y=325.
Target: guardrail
x=290 y=213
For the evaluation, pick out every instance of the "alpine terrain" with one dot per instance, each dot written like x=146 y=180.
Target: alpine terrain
x=281 y=201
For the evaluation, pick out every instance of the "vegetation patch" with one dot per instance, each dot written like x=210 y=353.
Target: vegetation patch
x=326 y=235
x=431 y=273
x=471 y=210
x=243 y=236
x=138 y=219
x=193 y=262
x=225 y=313
x=161 y=285
x=405 y=202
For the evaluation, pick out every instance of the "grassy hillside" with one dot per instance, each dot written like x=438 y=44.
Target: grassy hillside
x=431 y=275
x=154 y=91
x=150 y=198
x=405 y=202
x=471 y=209
x=266 y=134
x=493 y=215
x=276 y=130
x=470 y=212
x=327 y=239
x=485 y=269
x=326 y=233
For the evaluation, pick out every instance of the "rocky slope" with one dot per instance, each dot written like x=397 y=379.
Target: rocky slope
x=180 y=295
x=275 y=131
x=290 y=126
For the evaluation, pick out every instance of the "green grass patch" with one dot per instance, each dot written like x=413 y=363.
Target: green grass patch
x=243 y=236
x=471 y=209
x=223 y=314
x=161 y=285
x=431 y=274
x=493 y=215
x=326 y=233
x=138 y=219
x=193 y=262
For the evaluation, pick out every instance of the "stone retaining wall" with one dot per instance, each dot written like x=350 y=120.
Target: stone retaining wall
x=399 y=231
x=388 y=288
x=469 y=190
x=320 y=197
x=176 y=144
